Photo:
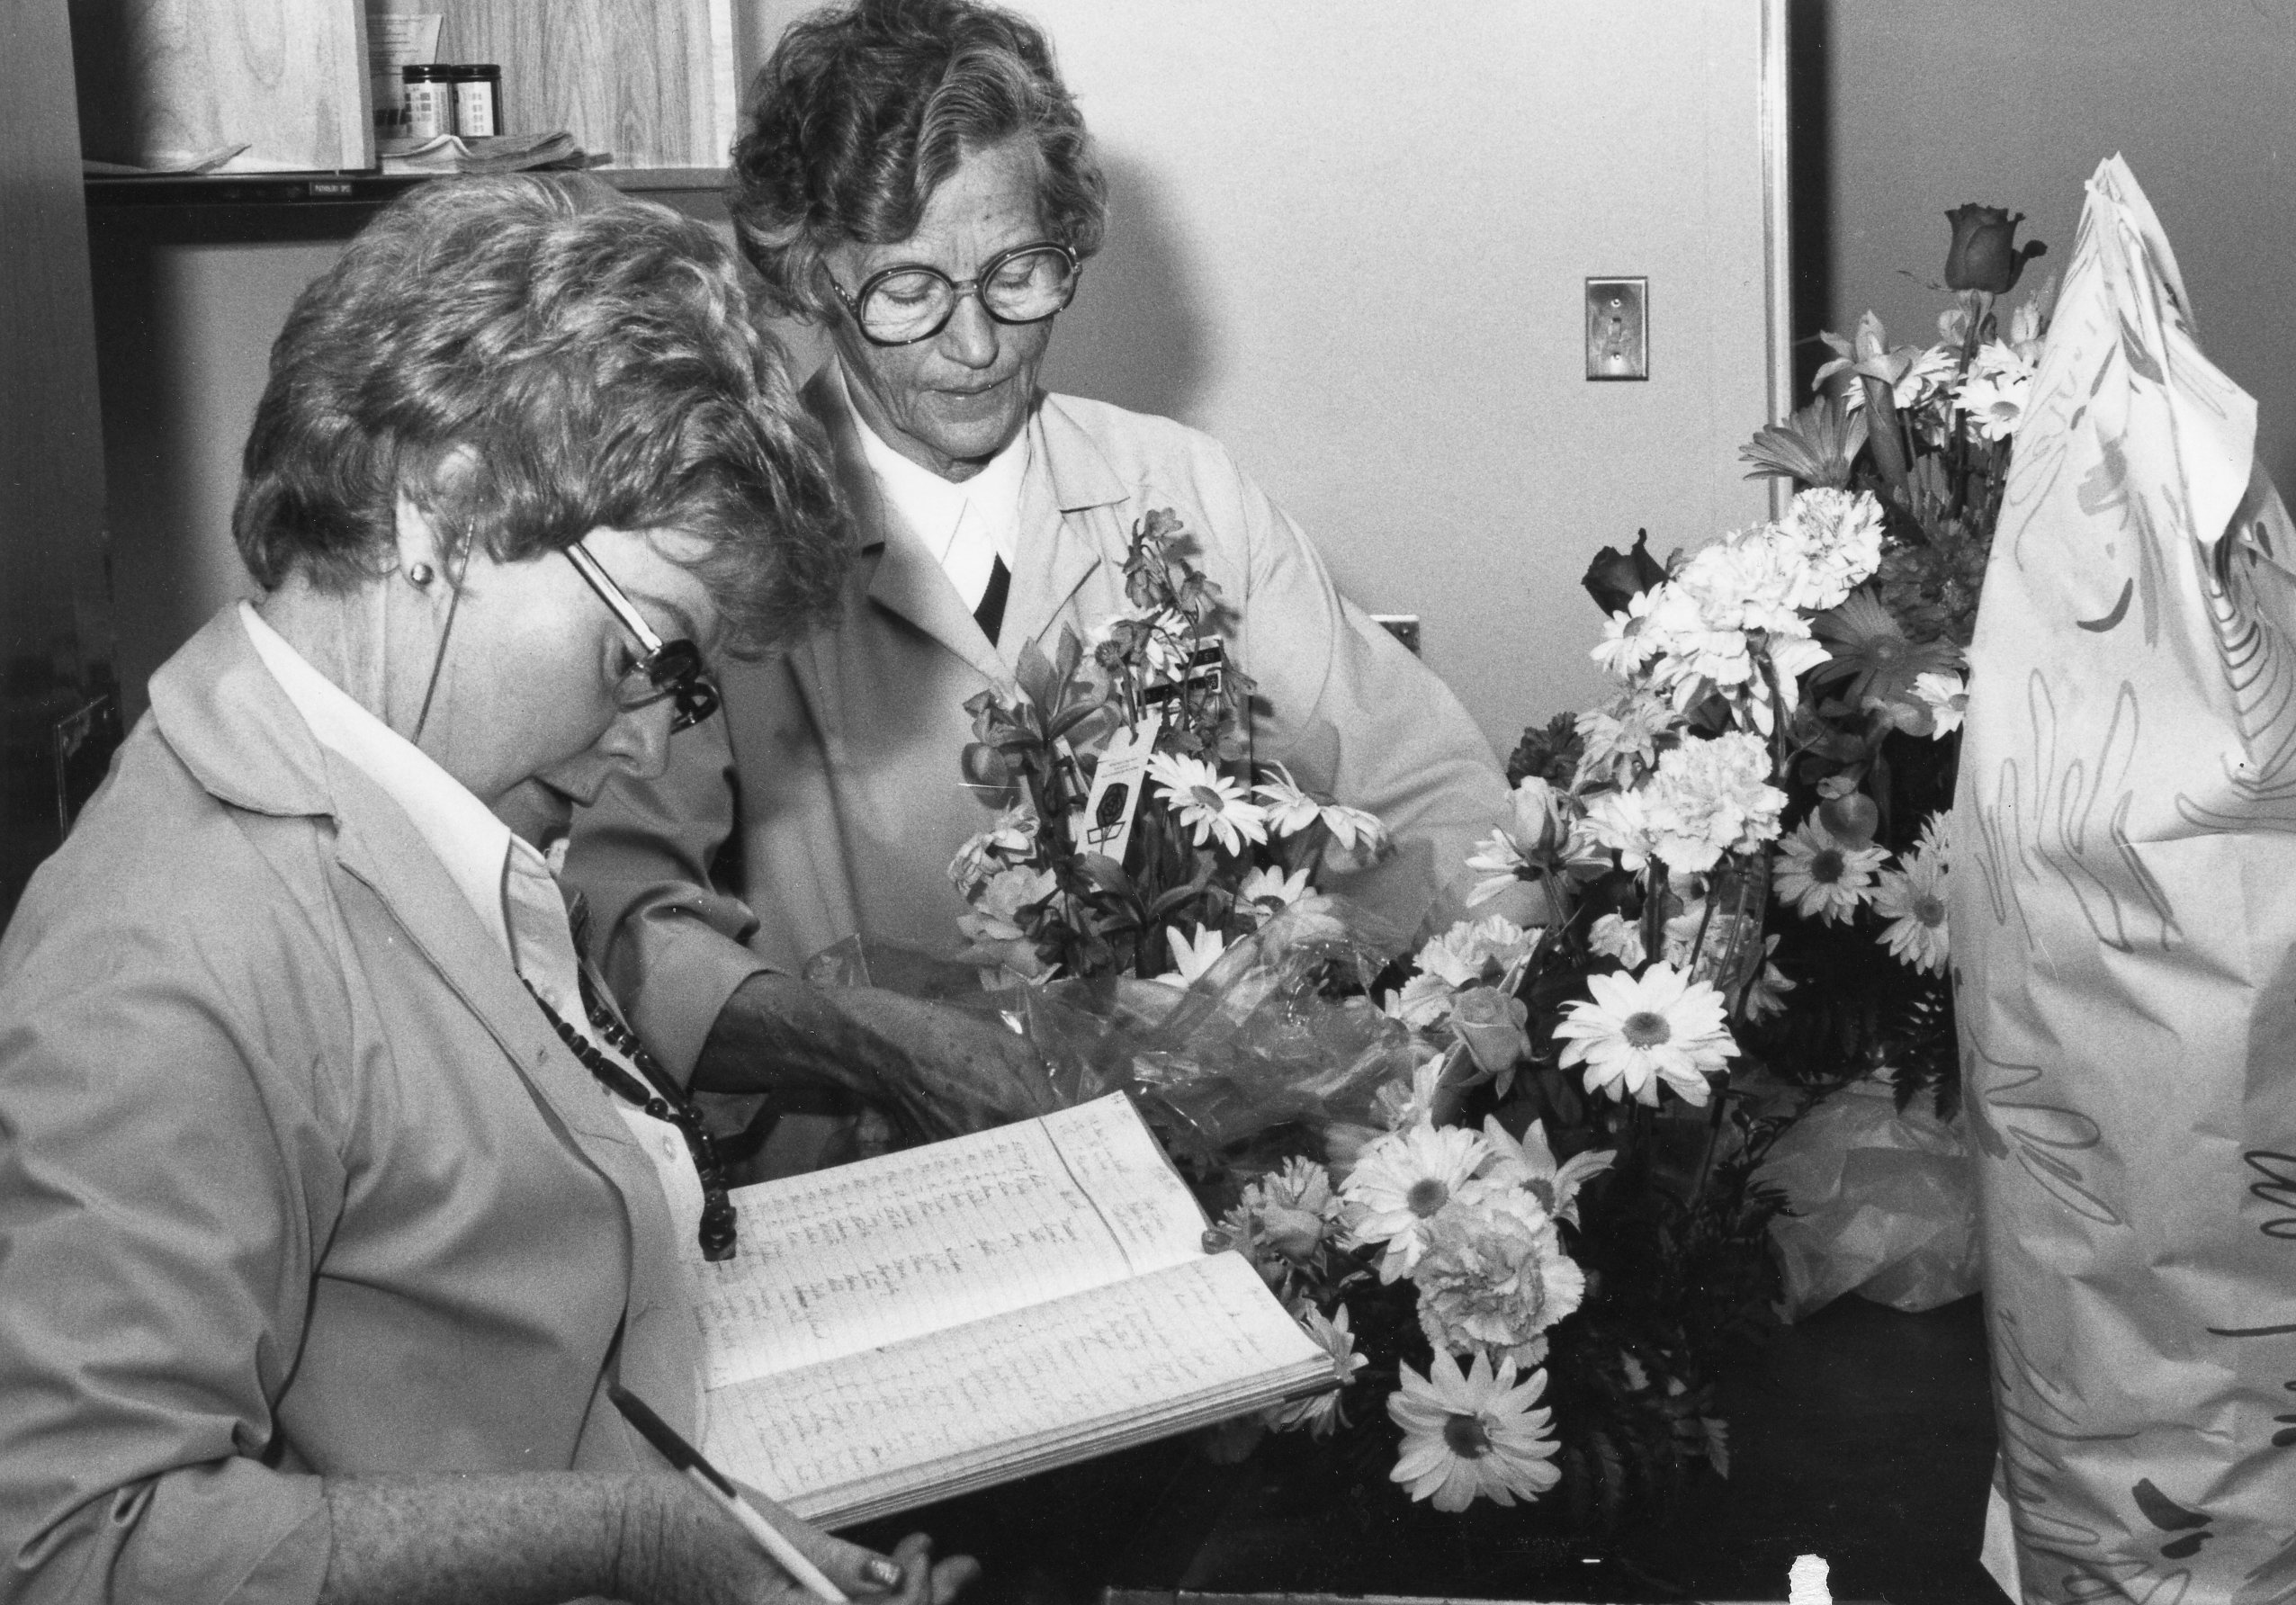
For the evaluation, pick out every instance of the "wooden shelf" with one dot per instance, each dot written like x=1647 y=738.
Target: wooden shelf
x=354 y=188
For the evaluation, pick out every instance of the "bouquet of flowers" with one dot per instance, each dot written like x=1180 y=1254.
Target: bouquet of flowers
x=1139 y=841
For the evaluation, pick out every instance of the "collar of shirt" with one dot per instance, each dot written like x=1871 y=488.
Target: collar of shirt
x=964 y=524
x=506 y=882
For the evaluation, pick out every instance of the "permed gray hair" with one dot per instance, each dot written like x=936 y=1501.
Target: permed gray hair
x=863 y=111
x=528 y=358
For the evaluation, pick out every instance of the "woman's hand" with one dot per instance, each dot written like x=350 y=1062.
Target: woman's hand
x=681 y=1547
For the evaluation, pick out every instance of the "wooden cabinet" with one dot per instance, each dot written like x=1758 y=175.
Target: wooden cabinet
x=651 y=83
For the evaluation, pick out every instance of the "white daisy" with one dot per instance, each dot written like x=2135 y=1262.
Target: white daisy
x=1355 y=832
x=1472 y=1435
x=1207 y=801
x=1640 y=1031
x=1402 y=1104
x=1271 y=888
x=1191 y=956
x=1530 y=1163
x=1946 y=697
x=1822 y=877
x=1913 y=901
x=1321 y=1411
x=1399 y=1184
x=1289 y=809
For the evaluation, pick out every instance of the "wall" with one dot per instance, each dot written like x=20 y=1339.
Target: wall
x=1931 y=103
x=1348 y=243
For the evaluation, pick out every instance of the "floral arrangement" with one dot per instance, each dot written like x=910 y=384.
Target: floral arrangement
x=1195 y=852
x=1738 y=865
x=1511 y=1184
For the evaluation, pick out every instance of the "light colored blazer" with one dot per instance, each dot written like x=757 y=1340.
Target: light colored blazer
x=297 y=1179
x=834 y=772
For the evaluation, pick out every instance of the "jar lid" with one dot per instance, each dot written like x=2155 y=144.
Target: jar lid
x=426 y=73
x=474 y=71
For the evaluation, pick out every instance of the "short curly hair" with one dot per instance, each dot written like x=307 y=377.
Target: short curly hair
x=863 y=111
x=528 y=358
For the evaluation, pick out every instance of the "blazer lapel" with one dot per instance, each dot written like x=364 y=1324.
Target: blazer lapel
x=1066 y=475
x=905 y=579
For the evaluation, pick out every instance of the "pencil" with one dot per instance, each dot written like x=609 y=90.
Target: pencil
x=688 y=1459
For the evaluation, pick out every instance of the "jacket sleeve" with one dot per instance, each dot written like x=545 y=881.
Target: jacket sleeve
x=672 y=947
x=163 y=1181
x=1351 y=712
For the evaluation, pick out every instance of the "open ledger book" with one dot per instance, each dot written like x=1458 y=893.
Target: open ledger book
x=899 y=1330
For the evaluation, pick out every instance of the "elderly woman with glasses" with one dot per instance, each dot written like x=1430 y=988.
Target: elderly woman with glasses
x=915 y=176
x=335 y=1195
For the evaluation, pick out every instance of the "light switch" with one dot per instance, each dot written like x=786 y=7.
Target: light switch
x=1617 y=329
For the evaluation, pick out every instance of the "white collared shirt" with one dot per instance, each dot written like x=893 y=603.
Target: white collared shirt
x=966 y=524
x=506 y=880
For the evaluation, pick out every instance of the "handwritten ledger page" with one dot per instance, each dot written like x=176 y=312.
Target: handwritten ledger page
x=900 y=1329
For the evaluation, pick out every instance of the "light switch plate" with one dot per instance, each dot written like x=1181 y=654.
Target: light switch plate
x=1617 y=329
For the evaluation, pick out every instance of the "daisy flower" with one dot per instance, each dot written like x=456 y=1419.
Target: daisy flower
x=1530 y=1163
x=1289 y=809
x=1871 y=650
x=1401 y=1105
x=1354 y=832
x=1401 y=1181
x=1640 y=1031
x=1472 y=1435
x=1271 y=888
x=1822 y=877
x=1620 y=821
x=1320 y=1412
x=1947 y=698
x=1913 y=901
x=1207 y=801
x=1628 y=637
x=1192 y=956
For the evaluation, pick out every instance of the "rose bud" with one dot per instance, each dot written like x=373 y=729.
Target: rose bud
x=1616 y=578
x=1984 y=255
x=1491 y=1023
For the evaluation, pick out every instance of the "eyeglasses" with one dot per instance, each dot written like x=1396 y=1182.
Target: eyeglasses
x=910 y=302
x=670 y=669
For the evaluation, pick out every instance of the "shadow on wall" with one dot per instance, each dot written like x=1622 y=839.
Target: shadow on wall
x=1134 y=336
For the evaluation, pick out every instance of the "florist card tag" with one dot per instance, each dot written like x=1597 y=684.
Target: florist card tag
x=1107 y=825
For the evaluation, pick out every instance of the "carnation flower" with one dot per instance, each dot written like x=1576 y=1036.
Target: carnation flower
x=1494 y=1276
x=1295 y=1207
x=1401 y=1181
x=1012 y=838
x=1208 y=801
x=996 y=914
x=1640 y=1031
x=1404 y=1103
x=1822 y=877
x=1620 y=821
x=1320 y=1412
x=1472 y=1435
x=1712 y=797
x=1476 y=949
x=1617 y=739
x=1913 y=901
x=1424 y=1002
x=1530 y=1164
x=1616 y=936
x=1840 y=537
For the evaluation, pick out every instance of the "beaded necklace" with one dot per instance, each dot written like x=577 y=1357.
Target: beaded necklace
x=659 y=1095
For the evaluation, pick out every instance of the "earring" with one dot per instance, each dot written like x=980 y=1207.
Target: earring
x=419 y=575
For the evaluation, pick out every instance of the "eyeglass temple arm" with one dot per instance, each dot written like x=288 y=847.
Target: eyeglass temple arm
x=611 y=595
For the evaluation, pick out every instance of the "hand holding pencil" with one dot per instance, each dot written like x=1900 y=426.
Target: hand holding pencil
x=911 y=1577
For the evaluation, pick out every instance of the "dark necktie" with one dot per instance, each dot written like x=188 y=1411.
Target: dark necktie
x=989 y=612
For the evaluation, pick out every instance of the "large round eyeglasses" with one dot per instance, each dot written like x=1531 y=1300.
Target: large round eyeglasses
x=910 y=301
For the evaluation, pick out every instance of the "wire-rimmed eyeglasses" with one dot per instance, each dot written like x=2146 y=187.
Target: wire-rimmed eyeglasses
x=671 y=669
x=911 y=301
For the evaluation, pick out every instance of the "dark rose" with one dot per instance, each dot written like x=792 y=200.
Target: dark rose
x=1616 y=578
x=1984 y=255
